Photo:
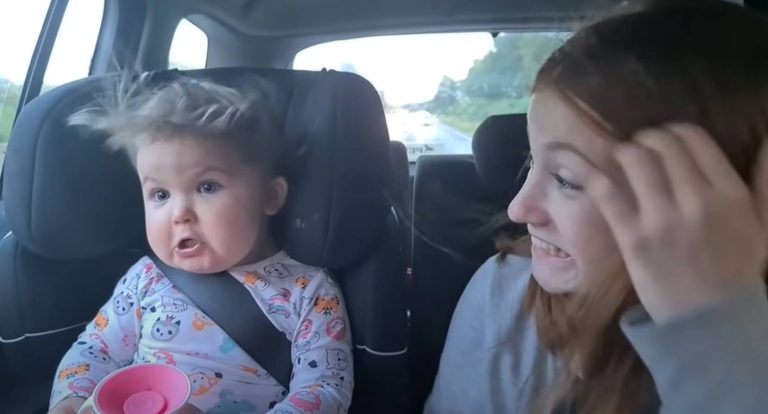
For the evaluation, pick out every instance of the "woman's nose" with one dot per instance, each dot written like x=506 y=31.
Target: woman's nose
x=528 y=206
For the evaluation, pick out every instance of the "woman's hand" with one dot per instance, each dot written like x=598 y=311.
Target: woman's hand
x=67 y=406
x=688 y=227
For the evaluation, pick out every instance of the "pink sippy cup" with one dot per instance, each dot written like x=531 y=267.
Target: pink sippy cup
x=140 y=389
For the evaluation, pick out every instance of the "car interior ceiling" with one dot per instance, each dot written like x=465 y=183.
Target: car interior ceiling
x=429 y=196
x=268 y=33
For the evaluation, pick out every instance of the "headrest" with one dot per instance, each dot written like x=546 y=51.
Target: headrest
x=68 y=197
x=401 y=177
x=500 y=146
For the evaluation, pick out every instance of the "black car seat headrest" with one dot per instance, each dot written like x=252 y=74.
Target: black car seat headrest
x=401 y=179
x=67 y=196
x=500 y=146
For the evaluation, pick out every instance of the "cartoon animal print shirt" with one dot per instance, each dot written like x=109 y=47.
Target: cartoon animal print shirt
x=149 y=320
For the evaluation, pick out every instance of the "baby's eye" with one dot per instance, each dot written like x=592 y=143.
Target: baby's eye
x=160 y=195
x=208 y=187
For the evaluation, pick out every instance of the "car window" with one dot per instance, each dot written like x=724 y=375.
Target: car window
x=437 y=88
x=189 y=48
x=75 y=43
x=20 y=24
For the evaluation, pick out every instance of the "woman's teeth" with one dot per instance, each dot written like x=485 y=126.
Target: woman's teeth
x=549 y=249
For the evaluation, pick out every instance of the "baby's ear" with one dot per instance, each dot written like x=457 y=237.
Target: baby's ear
x=277 y=191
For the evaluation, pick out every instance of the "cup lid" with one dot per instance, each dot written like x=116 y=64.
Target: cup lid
x=144 y=402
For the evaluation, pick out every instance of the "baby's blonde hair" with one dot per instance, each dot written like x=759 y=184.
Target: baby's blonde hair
x=141 y=109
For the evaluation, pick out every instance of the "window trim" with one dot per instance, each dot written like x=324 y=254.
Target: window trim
x=33 y=82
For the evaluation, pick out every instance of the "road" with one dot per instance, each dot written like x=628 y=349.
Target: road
x=455 y=141
x=436 y=138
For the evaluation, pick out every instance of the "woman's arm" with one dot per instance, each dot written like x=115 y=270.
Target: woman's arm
x=694 y=239
x=711 y=362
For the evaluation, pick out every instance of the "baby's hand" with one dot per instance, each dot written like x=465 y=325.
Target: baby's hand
x=72 y=404
x=68 y=406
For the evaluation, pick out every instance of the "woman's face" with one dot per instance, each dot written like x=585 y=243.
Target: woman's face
x=570 y=239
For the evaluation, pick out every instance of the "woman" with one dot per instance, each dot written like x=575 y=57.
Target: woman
x=647 y=206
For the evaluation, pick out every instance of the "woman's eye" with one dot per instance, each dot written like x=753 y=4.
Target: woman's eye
x=208 y=188
x=565 y=184
x=160 y=195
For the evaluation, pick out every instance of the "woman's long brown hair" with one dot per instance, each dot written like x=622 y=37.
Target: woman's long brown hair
x=702 y=61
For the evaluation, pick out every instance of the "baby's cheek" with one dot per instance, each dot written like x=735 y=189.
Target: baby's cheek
x=242 y=238
x=159 y=240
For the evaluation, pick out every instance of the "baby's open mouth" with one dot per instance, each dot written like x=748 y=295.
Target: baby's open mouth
x=187 y=244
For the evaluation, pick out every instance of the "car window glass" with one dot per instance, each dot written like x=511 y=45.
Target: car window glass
x=437 y=88
x=20 y=24
x=75 y=43
x=189 y=48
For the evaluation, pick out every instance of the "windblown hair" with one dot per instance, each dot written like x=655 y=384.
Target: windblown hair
x=137 y=110
x=704 y=62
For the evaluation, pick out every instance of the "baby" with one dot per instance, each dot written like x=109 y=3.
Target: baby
x=207 y=159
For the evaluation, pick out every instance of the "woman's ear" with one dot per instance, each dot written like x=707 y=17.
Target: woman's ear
x=277 y=191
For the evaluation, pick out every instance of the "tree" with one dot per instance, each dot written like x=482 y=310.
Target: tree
x=498 y=83
x=508 y=71
x=446 y=97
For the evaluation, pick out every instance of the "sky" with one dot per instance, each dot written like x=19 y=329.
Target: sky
x=407 y=69
x=20 y=24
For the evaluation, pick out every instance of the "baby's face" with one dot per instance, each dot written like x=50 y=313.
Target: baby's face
x=206 y=210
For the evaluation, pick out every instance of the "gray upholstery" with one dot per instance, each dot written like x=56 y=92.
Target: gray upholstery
x=401 y=179
x=4 y=227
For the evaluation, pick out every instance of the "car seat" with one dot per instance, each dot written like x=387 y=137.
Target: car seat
x=76 y=220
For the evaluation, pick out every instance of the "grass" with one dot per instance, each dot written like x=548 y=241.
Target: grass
x=9 y=100
x=6 y=120
x=466 y=115
x=463 y=125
